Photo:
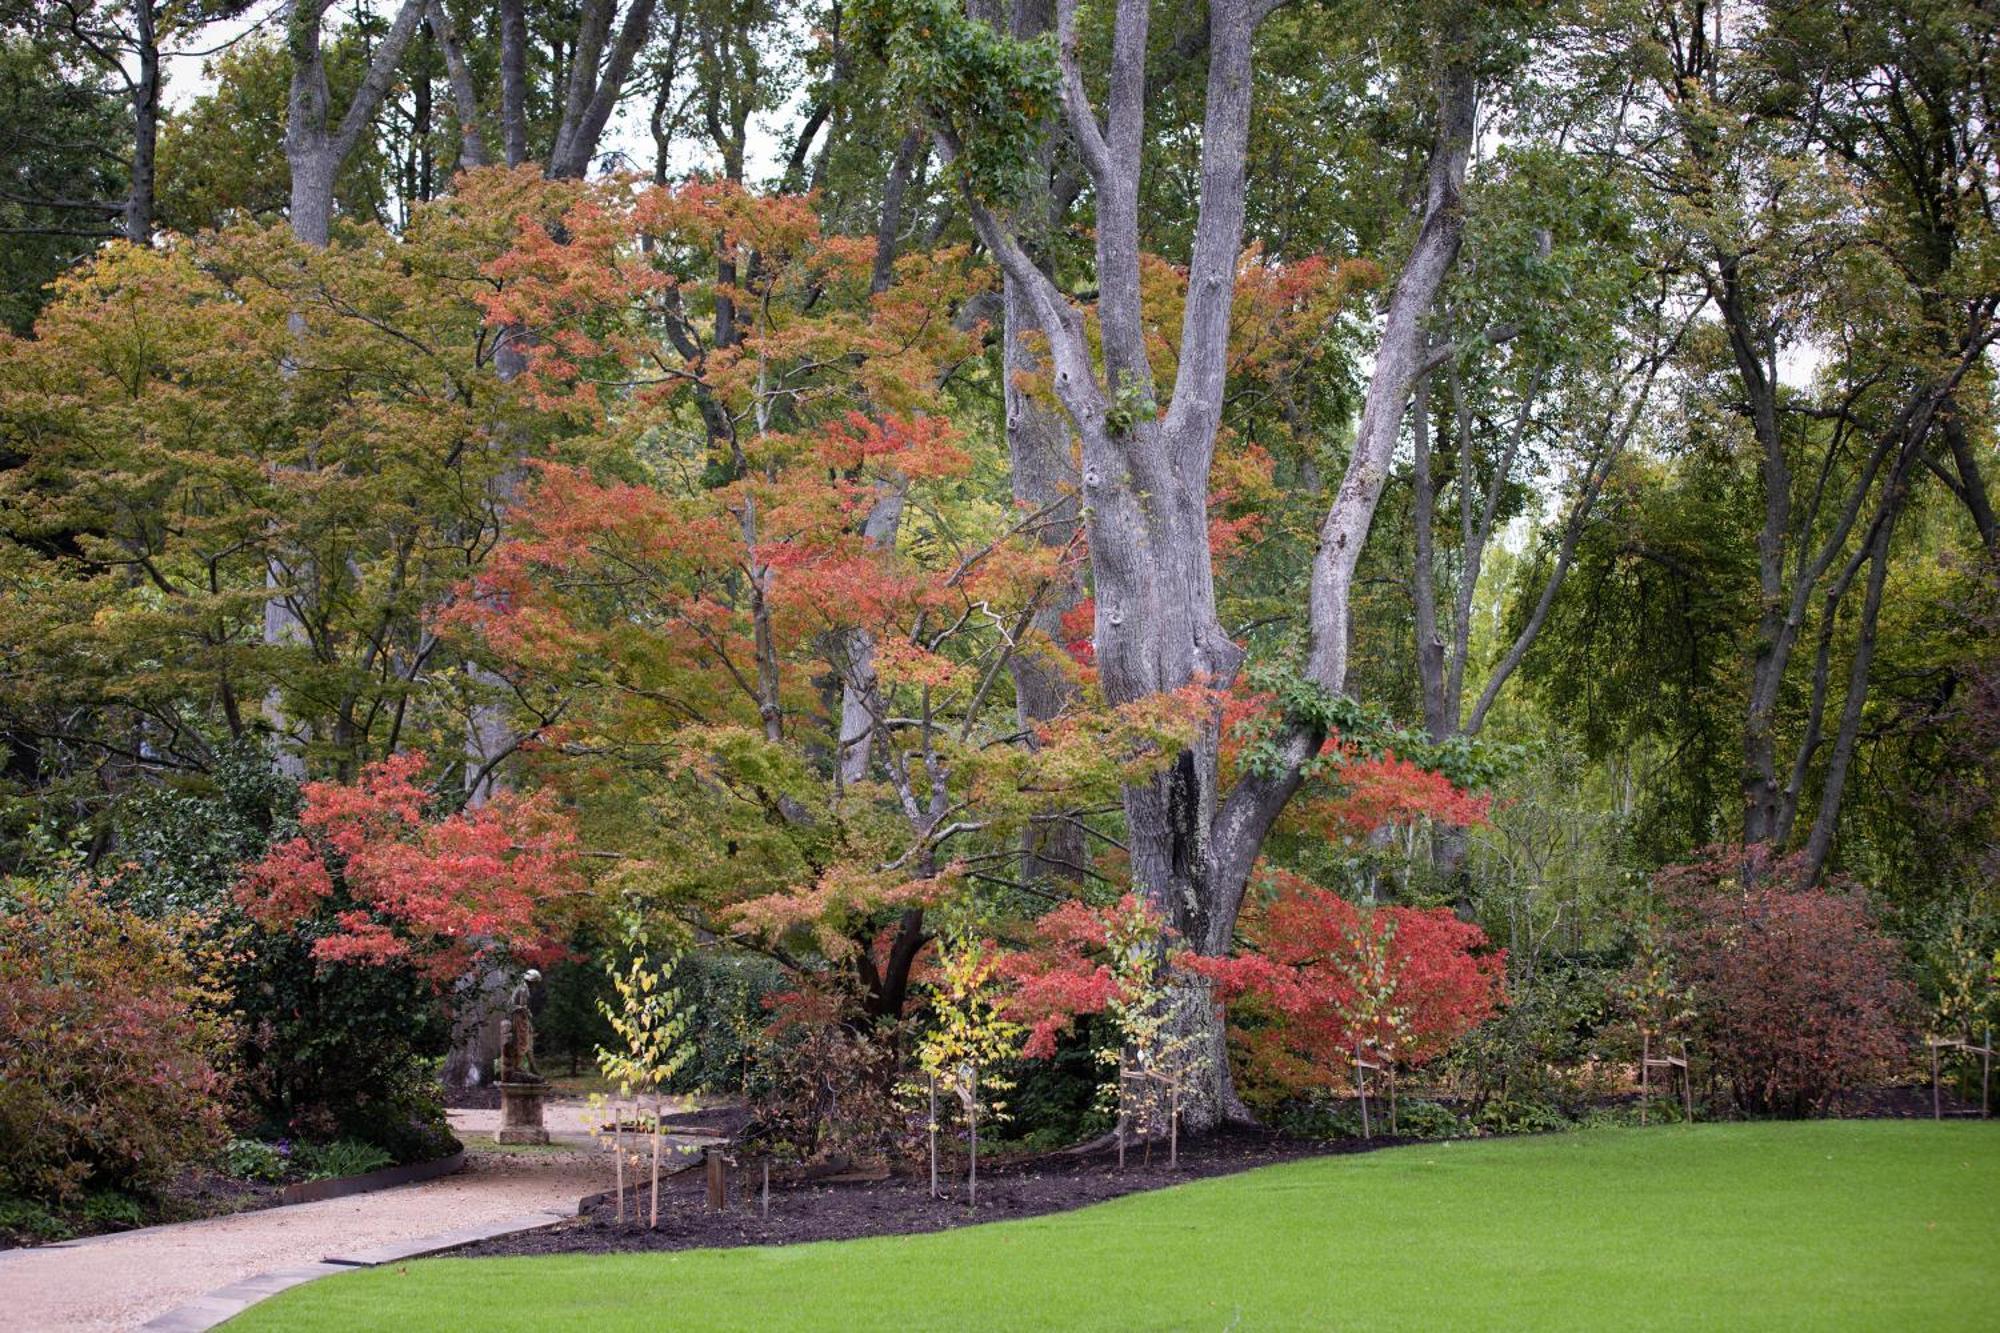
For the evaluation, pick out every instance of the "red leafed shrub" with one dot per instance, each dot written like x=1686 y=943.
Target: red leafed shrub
x=1074 y=967
x=1798 y=993
x=107 y=1038
x=1325 y=976
x=824 y=1085
x=383 y=880
x=1380 y=791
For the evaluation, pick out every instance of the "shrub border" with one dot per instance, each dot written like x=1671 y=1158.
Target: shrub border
x=313 y=1191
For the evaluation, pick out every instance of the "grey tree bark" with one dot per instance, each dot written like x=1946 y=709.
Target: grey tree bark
x=596 y=83
x=317 y=145
x=513 y=82
x=138 y=219
x=464 y=94
x=1145 y=473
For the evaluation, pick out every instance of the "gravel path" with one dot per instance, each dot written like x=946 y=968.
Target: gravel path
x=120 y=1282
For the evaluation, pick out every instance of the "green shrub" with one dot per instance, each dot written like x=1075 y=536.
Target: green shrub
x=108 y=1043
x=28 y=1221
x=1322 y=1116
x=1539 y=1050
x=1522 y=1117
x=252 y=1159
x=323 y=1052
x=105 y=1209
x=339 y=1159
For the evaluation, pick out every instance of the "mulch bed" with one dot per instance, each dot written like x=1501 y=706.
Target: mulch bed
x=901 y=1204
x=195 y=1194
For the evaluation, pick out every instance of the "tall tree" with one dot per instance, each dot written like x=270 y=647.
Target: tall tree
x=1146 y=471
x=318 y=136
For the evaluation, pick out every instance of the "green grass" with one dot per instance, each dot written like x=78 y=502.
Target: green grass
x=1839 y=1224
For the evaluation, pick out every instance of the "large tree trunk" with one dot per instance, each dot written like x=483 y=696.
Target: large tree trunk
x=138 y=218
x=1146 y=475
x=513 y=82
x=1042 y=461
x=464 y=94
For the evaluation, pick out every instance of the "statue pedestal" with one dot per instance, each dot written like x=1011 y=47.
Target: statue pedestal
x=521 y=1113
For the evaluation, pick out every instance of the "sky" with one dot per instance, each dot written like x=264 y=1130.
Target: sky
x=187 y=79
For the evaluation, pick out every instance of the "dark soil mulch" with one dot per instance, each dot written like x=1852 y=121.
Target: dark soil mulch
x=211 y=1194
x=1907 y=1101
x=196 y=1194
x=900 y=1205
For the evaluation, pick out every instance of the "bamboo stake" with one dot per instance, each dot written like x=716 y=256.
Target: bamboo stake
x=1937 y=1102
x=934 y=1129
x=972 y=1114
x=1121 y=1113
x=1645 y=1072
x=764 y=1195
x=1174 y=1130
x=1361 y=1089
x=618 y=1151
x=654 y=1222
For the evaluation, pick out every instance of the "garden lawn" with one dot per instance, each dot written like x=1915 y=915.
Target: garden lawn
x=1855 y=1224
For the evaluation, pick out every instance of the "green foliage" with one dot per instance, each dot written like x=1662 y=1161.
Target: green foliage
x=991 y=92
x=1532 y=1063
x=340 y=1159
x=1366 y=730
x=966 y=1043
x=184 y=844
x=647 y=1020
x=724 y=993
x=106 y=1209
x=53 y=127
x=222 y=153
x=253 y=1159
x=110 y=1042
x=28 y=1221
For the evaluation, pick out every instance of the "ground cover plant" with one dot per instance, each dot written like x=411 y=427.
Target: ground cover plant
x=1840 y=1225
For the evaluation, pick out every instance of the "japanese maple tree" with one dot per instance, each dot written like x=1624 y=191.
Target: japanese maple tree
x=1324 y=979
x=378 y=875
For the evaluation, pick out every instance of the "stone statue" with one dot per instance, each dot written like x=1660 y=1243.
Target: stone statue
x=517 y=1054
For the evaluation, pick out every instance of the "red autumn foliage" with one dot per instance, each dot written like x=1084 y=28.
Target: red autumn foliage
x=108 y=1049
x=389 y=882
x=1079 y=631
x=1302 y=992
x=1068 y=973
x=1798 y=992
x=1387 y=790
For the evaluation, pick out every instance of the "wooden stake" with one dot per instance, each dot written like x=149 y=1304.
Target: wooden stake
x=1121 y=1113
x=1645 y=1072
x=934 y=1127
x=1361 y=1088
x=1986 y=1076
x=618 y=1149
x=764 y=1196
x=1937 y=1102
x=1174 y=1131
x=718 y=1187
x=654 y=1223
x=972 y=1114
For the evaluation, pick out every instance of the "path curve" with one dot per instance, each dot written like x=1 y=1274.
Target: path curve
x=122 y=1281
